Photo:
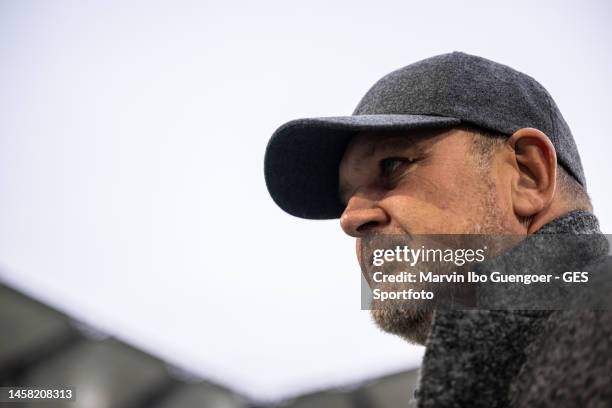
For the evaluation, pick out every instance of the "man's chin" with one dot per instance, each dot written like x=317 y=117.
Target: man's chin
x=412 y=325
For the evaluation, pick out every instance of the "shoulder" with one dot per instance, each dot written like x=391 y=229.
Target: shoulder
x=569 y=363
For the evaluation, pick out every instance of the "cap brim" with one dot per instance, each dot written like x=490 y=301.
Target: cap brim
x=302 y=158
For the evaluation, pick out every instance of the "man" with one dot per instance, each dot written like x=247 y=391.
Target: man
x=458 y=144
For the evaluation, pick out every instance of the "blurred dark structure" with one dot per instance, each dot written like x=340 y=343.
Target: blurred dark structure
x=39 y=346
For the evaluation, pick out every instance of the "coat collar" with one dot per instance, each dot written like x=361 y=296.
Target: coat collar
x=472 y=355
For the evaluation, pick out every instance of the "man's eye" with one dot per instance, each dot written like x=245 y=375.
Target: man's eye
x=391 y=165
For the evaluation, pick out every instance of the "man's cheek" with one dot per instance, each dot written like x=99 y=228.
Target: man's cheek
x=424 y=195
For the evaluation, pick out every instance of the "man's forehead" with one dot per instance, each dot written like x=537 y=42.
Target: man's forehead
x=367 y=144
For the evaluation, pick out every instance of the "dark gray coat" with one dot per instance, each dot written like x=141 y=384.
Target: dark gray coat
x=487 y=358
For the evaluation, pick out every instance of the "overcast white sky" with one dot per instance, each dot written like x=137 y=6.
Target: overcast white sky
x=132 y=137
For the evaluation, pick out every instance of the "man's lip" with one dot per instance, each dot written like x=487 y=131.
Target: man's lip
x=365 y=273
x=358 y=250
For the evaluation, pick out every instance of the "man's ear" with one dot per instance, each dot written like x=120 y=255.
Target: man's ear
x=533 y=186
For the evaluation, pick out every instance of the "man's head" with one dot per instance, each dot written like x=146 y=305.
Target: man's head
x=462 y=180
x=453 y=144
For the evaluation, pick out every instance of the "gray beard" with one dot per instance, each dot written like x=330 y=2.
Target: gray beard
x=414 y=325
x=411 y=325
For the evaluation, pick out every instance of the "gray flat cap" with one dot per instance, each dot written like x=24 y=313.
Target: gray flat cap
x=303 y=155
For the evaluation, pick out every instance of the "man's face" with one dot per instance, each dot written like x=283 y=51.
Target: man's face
x=415 y=184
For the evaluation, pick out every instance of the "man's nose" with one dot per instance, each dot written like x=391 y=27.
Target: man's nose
x=362 y=216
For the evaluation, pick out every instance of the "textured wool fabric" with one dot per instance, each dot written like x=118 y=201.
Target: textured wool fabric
x=485 y=358
x=302 y=157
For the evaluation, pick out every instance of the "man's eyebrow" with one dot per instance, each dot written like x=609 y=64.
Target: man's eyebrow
x=389 y=143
